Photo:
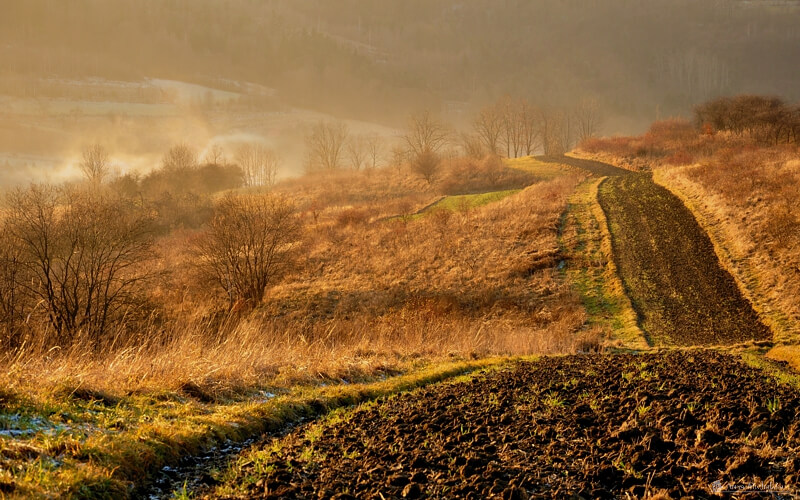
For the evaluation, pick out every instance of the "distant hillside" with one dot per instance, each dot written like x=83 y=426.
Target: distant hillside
x=375 y=58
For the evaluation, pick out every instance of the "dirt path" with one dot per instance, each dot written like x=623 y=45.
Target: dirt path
x=600 y=426
x=680 y=291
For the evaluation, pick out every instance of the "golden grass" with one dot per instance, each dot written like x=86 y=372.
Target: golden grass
x=789 y=354
x=542 y=170
x=88 y=449
x=743 y=194
x=592 y=270
x=371 y=299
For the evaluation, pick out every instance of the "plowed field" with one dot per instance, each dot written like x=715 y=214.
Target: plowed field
x=599 y=426
x=667 y=262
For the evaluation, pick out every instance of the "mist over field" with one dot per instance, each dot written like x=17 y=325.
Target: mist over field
x=141 y=76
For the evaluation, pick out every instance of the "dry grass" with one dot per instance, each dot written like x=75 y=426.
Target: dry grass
x=789 y=354
x=369 y=297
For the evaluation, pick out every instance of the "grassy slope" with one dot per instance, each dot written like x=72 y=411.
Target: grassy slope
x=592 y=270
x=87 y=444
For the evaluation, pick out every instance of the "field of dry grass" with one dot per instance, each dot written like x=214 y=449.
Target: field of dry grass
x=377 y=293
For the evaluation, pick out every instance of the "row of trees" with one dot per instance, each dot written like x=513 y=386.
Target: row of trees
x=330 y=146
x=254 y=164
x=510 y=127
x=766 y=119
x=514 y=127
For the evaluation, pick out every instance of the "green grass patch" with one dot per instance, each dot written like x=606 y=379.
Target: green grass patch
x=590 y=268
x=782 y=374
x=464 y=202
x=540 y=169
x=67 y=447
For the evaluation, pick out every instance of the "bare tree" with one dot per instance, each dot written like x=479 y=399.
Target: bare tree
x=249 y=243
x=399 y=157
x=425 y=140
x=472 y=146
x=357 y=151
x=425 y=134
x=375 y=150
x=94 y=163
x=215 y=155
x=489 y=127
x=12 y=301
x=587 y=118
x=325 y=146
x=81 y=252
x=557 y=131
x=179 y=157
x=259 y=164
x=530 y=128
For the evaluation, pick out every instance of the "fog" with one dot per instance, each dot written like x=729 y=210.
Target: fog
x=139 y=76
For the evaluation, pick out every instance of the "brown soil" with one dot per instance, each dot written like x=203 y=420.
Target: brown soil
x=670 y=270
x=598 y=426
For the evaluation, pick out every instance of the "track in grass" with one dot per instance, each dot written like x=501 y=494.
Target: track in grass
x=680 y=291
x=595 y=167
x=600 y=426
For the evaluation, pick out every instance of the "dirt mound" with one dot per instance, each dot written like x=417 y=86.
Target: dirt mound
x=601 y=426
x=670 y=270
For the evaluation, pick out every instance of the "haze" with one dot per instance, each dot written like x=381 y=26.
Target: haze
x=140 y=76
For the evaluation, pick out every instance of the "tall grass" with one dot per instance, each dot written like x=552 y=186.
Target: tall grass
x=370 y=296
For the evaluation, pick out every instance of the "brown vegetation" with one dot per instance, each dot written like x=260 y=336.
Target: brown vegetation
x=226 y=290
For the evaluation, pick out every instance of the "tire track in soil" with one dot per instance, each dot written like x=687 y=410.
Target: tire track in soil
x=596 y=426
x=670 y=270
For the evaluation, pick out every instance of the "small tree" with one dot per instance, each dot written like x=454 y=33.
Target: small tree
x=325 y=146
x=259 y=164
x=375 y=150
x=357 y=151
x=179 y=158
x=94 y=163
x=250 y=242
x=425 y=138
x=81 y=253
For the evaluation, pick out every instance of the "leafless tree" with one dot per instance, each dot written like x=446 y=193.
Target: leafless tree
x=557 y=131
x=81 y=253
x=250 y=242
x=375 y=150
x=472 y=146
x=530 y=128
x=425 y=134
x=259 y=164
x=11 y=297
x=325 y=146
x=587 y=118
x=215 y=155
x=94 y=163
x=489 y=127
x=179 y=157
x=425 y=139
x=357 y=151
